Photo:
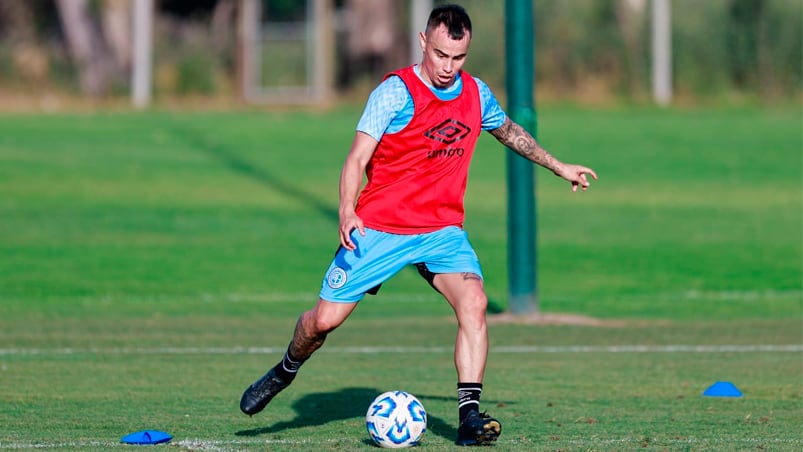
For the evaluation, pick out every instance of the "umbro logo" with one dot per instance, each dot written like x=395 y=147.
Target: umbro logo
x=448 y=132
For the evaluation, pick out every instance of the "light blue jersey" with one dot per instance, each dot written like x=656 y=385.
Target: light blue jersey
x=390 y=106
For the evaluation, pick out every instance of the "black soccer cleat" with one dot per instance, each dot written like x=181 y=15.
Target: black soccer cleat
x=478 y=429
x=259 y=394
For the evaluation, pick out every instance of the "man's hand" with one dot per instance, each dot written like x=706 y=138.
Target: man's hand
x=348 y=223
x=576 y=174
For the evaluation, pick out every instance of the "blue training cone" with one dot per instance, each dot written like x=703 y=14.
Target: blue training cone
x=722 y=389
x=146 y=437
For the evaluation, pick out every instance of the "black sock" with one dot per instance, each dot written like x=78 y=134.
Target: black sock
x=468 y=398
x=288 y=367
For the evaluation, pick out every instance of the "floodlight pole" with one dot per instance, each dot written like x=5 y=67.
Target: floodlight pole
x=419 y=14
x=520 y=69
x=662 y=52
x=142 y=62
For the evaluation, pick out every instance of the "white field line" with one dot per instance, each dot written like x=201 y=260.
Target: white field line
x=187 y=444
x=238 y=444
x=430 y=296
x=57 y=445
x=516 y=349
x=684 y=295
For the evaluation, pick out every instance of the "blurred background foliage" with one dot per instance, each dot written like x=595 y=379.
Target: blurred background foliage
x=587 y=51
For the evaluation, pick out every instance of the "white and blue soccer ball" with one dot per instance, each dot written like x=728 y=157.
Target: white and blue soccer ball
x=396 y=419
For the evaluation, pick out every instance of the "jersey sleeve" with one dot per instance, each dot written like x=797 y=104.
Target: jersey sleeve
x=492 y=114
x=383 y=105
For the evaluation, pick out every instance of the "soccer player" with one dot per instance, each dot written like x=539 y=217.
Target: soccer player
x=414 y=143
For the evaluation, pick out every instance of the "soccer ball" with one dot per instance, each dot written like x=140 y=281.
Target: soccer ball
x=396 y=419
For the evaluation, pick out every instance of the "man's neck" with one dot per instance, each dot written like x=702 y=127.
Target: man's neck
x=455 y=84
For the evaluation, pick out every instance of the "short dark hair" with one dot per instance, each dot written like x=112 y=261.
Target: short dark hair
x=454 y=17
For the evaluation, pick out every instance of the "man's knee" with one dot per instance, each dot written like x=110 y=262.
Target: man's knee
x=471 y=309
x=476 y=300
x=321 y=323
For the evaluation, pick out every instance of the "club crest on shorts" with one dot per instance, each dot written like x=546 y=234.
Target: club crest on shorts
x=336 y=278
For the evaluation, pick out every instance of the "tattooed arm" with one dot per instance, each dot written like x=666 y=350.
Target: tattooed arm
x=521 y=142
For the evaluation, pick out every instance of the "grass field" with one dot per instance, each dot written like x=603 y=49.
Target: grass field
x=153 y=265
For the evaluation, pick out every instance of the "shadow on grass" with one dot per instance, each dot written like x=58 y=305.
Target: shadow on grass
x=323 y=407
x=230 y=159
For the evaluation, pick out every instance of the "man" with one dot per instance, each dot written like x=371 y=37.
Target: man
x=414 y=142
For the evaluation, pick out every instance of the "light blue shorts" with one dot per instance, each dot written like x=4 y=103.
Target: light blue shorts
x=380 y=255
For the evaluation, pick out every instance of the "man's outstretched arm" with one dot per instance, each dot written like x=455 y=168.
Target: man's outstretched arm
x=521 y=142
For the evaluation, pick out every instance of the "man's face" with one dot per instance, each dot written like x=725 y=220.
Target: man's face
x=443 y=56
